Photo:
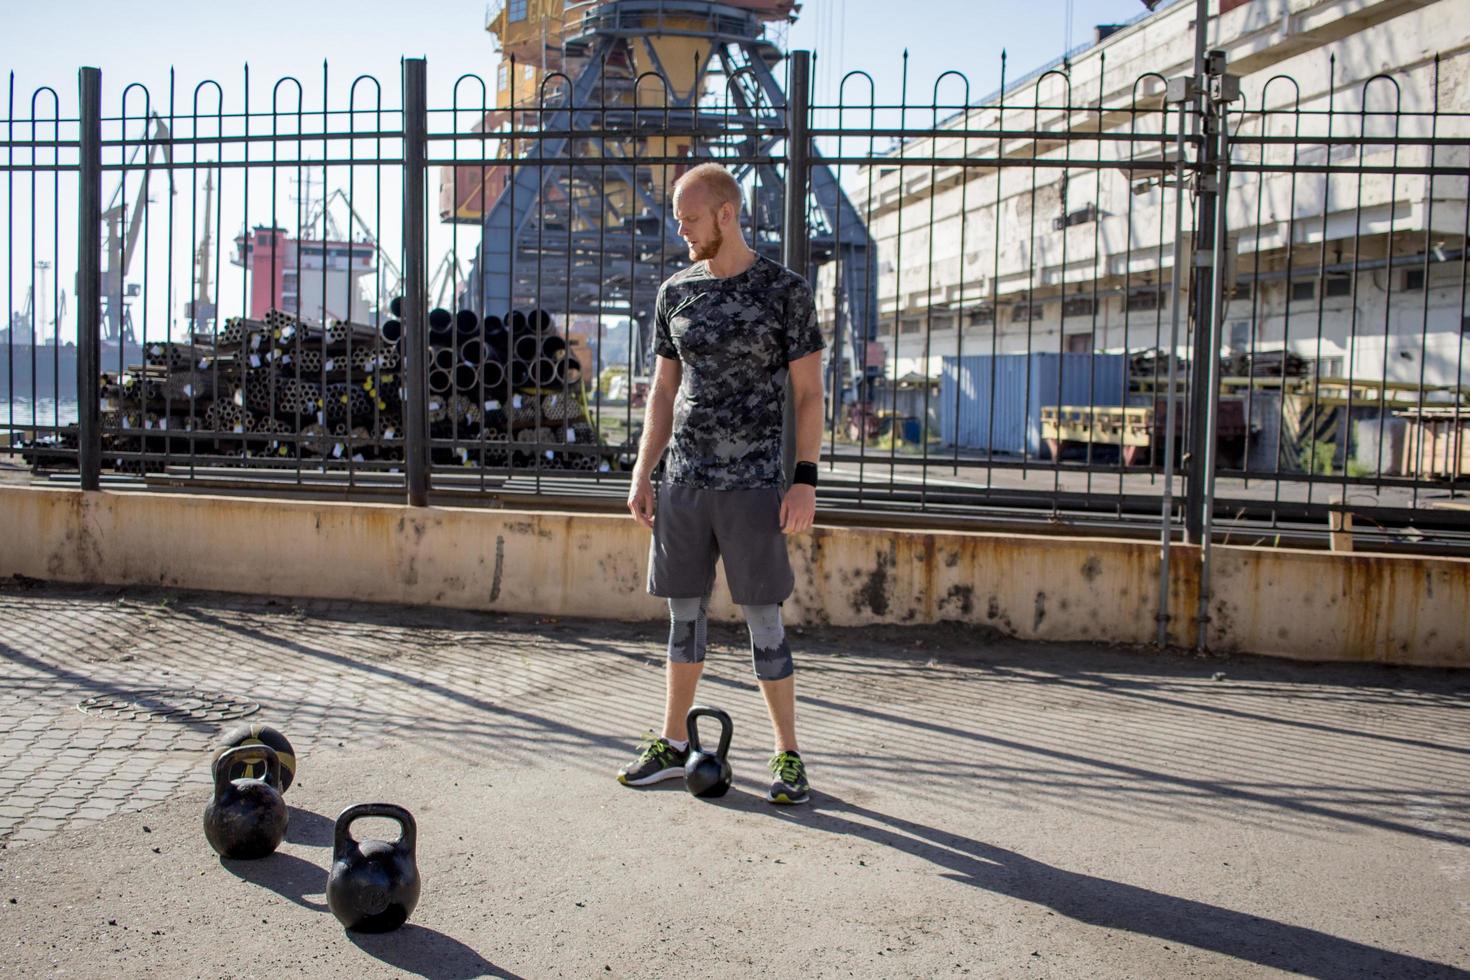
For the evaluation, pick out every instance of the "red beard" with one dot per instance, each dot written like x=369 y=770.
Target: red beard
x=709 y=249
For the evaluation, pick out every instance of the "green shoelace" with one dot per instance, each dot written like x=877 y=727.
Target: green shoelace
x=656 y=748
x=787 y=767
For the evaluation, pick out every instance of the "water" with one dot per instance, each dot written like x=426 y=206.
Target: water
x=22 y=413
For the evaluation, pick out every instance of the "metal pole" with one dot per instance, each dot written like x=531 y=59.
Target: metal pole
x=1179 y=274
x=89 y=278
x=415 y=285
x=794 y=233
x=838 y=376
x=1201 y=38
x=1222 y=91
x=798 y=148
x=1204 y=236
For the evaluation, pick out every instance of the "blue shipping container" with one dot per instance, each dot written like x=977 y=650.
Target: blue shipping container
x=1022 y=384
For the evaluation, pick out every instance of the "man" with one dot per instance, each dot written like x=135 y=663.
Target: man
x=728 y=331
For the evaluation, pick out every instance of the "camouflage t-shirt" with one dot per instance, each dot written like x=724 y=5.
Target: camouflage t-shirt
x=734 y=337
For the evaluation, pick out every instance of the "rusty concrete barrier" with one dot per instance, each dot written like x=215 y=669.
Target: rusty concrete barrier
x=1318 y=605
x=1044 y=588
x=480 y=559
x=1300 y=604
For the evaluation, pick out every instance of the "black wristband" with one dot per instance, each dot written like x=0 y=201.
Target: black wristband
x=805 y=473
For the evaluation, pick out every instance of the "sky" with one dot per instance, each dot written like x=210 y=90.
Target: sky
x=43 y=44
x=137 y=42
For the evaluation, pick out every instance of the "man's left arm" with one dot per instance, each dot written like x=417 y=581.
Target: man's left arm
x=799 y=505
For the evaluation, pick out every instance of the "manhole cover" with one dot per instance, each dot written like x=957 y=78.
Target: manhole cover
x=164 y=705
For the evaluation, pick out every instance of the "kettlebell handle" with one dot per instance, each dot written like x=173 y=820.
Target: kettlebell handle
x=242 y=753
x=727 y=727
x=409 y=829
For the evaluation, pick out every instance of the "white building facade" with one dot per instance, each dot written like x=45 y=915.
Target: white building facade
x=1069 y=245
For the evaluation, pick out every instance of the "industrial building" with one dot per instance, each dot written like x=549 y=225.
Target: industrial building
x=1361 y=275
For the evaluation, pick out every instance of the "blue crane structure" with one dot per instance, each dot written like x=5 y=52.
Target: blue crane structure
x=584 y=221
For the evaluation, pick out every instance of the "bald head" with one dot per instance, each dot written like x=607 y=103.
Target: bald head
x=716 y=183
x=707 y=208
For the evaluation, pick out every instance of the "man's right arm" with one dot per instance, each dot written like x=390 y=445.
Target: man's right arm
x=658 y=428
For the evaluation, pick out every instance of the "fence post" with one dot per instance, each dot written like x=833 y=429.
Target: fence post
x=794 y=251
x=89 y=277
x=1202 y=293
x=1223 y=88
x=415 y=290
x=1179 y=92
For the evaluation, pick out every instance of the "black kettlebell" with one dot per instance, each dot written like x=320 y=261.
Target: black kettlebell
x=708 y=774
x=247 y=817
x=260 y=735
x=373 y=885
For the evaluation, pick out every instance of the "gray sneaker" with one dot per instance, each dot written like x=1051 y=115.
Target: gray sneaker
x=657 y=760
x=790 y=785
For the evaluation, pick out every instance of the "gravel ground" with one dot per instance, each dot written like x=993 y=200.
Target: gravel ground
x=982 y=807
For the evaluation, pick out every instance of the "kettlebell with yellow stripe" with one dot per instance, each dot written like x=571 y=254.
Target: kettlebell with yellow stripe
x=255 y=769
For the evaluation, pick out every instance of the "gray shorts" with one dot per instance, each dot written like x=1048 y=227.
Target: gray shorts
x=693 y=527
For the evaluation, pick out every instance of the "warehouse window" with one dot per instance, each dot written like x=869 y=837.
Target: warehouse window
x=982 y=316
x=1303 y=290
x=1338 y=284
x=1240 y=334
x=516 y=10
x=1022 y=312
x=1077 y=306
x=1142 y=300
x=1413 y=280
x=1081 y=216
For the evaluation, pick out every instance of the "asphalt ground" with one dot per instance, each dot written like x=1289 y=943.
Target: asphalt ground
x=981 y=806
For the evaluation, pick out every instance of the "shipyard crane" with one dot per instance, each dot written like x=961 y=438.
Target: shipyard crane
x=23 y=323
x=444 y=284
x=639 y=87
x=117 y=323
x=201 y=310
x=30 y=322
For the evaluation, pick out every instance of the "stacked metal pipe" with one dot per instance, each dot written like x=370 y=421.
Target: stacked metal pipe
x=500 y=390
x=507 y=380
x=276 y=387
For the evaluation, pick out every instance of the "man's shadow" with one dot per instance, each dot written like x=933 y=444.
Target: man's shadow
x=1100 y=901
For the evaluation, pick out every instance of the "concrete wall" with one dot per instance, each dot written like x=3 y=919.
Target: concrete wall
x=1307 y=605
x=1321 y=606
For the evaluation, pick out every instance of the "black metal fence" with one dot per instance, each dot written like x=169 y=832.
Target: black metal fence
x=1042 y=305
x=1026 y=344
